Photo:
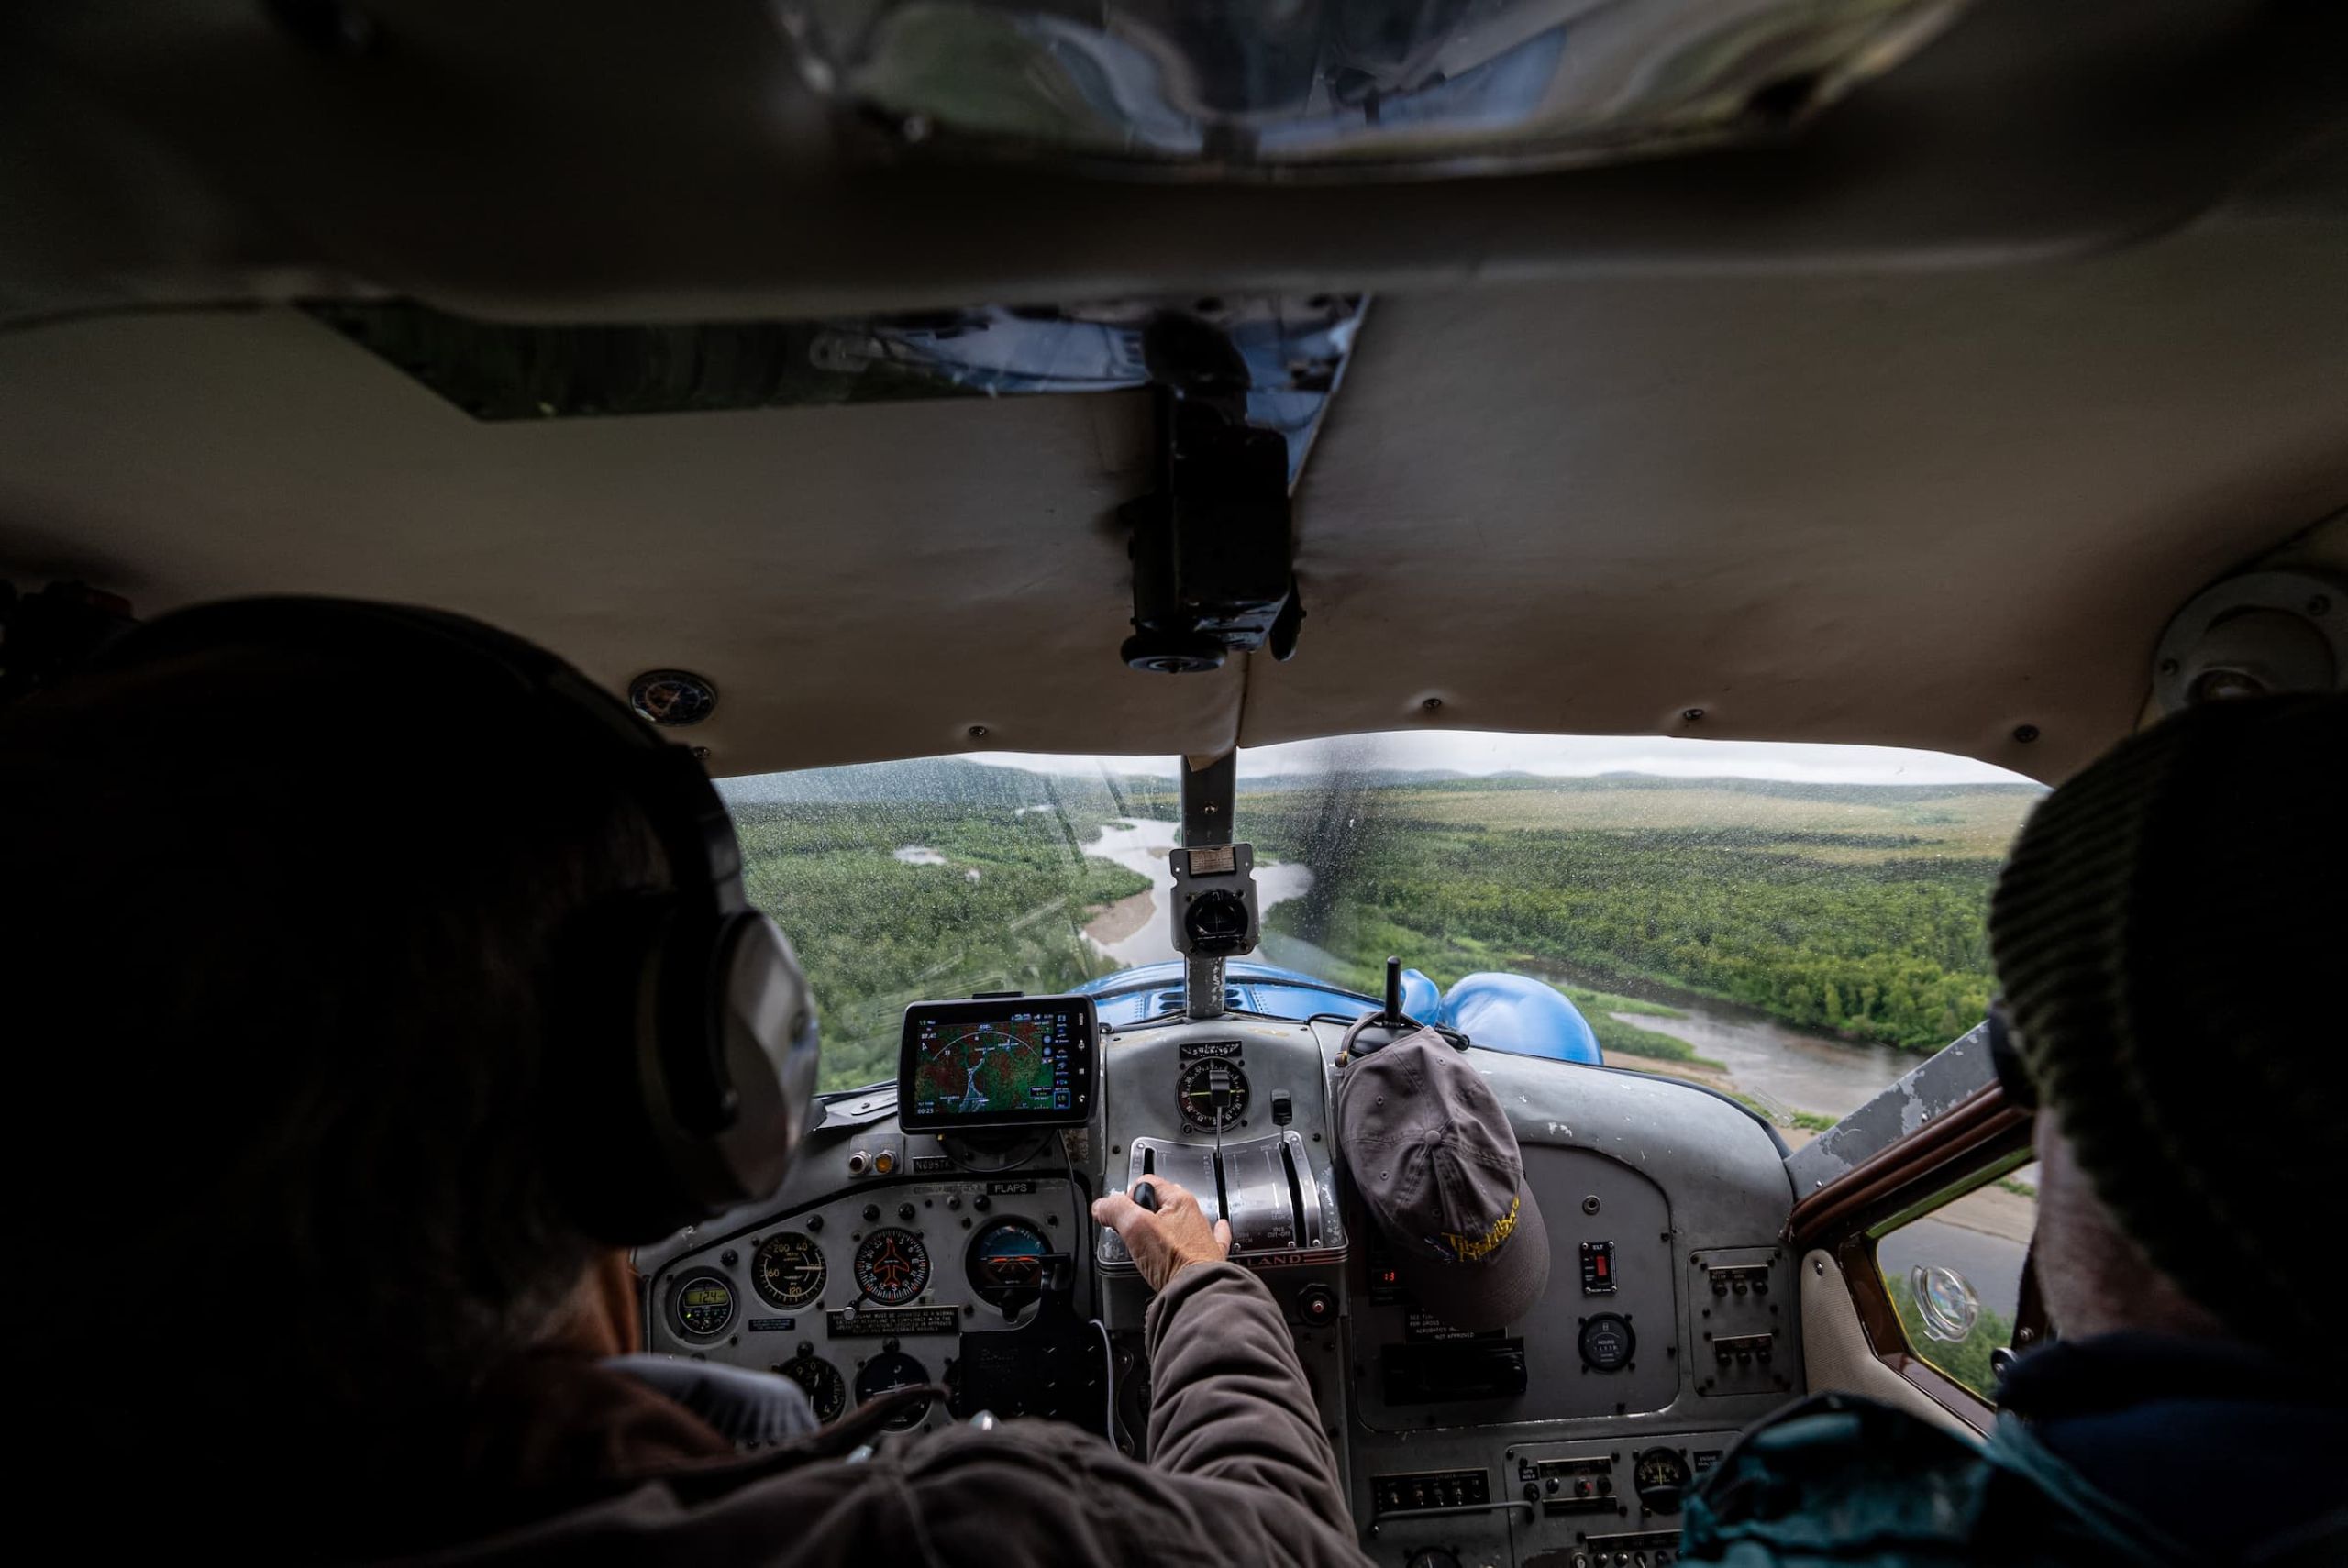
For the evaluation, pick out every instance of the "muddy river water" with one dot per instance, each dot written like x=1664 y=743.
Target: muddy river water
x=1133 y=933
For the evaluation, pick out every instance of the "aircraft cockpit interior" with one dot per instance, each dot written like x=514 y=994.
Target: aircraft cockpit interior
x=1526 y=563
x=940 y=1235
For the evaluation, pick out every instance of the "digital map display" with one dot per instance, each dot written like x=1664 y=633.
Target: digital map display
x=1020 y=1064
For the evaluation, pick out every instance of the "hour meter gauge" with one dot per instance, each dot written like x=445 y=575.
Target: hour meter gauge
x=1607 y=1343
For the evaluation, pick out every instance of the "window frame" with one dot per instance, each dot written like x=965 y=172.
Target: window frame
x=1976 y=1139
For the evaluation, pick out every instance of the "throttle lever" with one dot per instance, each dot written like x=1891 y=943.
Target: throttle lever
x=1145 y=1196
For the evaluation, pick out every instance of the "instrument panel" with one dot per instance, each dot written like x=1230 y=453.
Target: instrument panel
x=893 y=1285
x=895 y=1259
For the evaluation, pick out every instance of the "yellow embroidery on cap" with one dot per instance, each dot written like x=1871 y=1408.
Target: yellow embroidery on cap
x=1468 y=1249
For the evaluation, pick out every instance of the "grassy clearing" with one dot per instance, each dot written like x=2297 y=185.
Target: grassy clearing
x=1845 y=824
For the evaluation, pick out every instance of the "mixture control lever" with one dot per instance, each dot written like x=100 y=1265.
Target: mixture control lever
x=1218 y=1105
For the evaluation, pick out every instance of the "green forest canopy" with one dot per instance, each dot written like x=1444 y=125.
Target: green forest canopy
x=1858 y=908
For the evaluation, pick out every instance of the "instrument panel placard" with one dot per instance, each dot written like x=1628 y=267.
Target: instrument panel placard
x=882 y=1322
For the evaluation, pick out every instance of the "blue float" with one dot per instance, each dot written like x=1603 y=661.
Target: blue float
x=1502 y=1012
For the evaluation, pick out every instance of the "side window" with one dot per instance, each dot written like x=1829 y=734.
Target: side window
x=1954 y=1273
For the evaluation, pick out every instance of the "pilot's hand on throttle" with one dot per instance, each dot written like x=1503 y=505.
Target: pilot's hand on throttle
x=1165 y=1242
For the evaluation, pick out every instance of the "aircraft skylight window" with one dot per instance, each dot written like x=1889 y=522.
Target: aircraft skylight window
x=1365 y=90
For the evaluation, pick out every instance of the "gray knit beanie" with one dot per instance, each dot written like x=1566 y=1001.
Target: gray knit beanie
x=2172 y=936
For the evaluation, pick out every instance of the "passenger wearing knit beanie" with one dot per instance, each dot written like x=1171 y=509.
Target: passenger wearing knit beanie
x=2170 y=932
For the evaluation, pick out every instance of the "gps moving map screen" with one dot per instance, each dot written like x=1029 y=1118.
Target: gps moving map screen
x=1013 y=1062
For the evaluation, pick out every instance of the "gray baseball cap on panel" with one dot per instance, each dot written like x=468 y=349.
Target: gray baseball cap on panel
x=1437 y=1163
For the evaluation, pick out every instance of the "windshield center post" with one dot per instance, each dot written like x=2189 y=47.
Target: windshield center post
x=1212 y=911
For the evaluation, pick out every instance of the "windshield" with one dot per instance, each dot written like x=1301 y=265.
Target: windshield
x=1793 y=923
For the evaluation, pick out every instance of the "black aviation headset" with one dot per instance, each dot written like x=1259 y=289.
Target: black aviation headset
x=695 y=1081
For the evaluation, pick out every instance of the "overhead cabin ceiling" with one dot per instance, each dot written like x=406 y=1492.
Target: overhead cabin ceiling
x=623 y=159
x=1914 y=430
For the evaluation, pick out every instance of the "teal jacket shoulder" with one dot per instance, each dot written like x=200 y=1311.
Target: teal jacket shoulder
x=1839 y=1480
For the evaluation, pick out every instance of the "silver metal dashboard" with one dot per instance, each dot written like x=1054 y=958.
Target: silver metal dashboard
x=1545 y=1443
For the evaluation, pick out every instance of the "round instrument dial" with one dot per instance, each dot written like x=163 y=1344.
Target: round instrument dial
x=1661 y=1477
x=826 y=1389
x=702 y=1306
x=1006 y=1261
x=1607 y=1343
x=1195 y=1089
x=788 y=1270
x=891 y=1267
x=893 y=1369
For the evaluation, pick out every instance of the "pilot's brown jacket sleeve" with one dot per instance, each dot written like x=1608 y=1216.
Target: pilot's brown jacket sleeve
x=1228 y=1398
x=1240 y=1472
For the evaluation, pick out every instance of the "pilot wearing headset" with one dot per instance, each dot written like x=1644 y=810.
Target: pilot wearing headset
x=375 y=981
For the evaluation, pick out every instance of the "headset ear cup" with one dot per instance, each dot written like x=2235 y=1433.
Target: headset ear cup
x=678 y=1067
x=762 y=1007
x=611 y=1136
x=697 y=1067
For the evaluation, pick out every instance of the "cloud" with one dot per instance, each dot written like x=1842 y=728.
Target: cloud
x=1481 y=752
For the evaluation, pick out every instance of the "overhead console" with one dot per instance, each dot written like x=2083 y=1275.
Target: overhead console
x=937 y=1231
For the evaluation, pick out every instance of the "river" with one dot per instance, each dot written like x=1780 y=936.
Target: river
x=1769 y=1060
x=1138 y=930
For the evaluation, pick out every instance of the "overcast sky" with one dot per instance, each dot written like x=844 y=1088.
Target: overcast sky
x=1468 y=751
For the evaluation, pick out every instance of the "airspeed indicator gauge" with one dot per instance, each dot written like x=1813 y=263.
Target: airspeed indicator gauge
x=789 y=1271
